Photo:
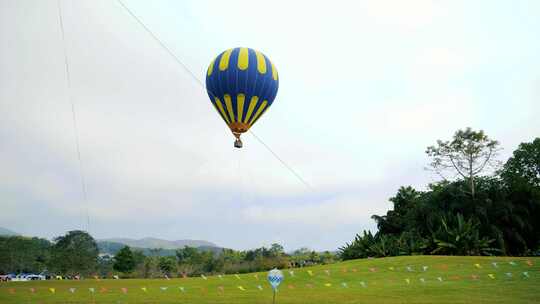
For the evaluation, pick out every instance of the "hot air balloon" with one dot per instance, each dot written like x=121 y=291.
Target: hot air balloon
x=242 y=83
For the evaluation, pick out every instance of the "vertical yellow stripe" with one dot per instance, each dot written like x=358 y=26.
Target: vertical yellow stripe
x=220 y=107
x=261 y=63
x=261 y=108
x=211 y=67
x=228 y=104
x=252 y=105
x=240 y=106
x=274 y=72
x=224 y=61
x=243 y=59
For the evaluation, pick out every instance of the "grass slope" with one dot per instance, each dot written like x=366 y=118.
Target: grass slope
x=385 y=281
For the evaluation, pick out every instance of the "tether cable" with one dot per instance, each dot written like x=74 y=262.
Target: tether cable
x=177 y=59
x=73 y=115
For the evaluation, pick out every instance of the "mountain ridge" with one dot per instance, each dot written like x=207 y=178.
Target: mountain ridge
x=152 y=242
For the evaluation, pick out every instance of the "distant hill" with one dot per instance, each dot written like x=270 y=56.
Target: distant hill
x=159 y=243
x=7 y=232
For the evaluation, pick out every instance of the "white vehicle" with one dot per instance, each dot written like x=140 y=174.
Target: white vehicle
x=35 y=277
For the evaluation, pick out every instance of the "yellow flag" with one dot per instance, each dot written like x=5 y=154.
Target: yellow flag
x=237 y=276
x=310 y=272
x=391 y=268
x=478 y=265
x=52 y=290
x=491 y=275
x=408 y=281
x=143 y=289
x=328 y=285
x=241 y=288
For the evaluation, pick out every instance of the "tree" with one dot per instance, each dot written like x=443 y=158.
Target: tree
x=524 y=164
x=124 y=261
x=167 y=265
x=74 y=253
x=468 y=154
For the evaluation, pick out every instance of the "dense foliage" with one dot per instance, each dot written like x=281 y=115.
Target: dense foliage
x=501 y=217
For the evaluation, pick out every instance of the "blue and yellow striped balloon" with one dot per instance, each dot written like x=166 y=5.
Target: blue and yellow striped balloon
x=242 y=83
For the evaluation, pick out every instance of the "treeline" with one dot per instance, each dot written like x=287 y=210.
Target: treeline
x=190 y=261
x=484 y=212
x=76 y=254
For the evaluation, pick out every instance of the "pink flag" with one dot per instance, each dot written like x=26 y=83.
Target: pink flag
x=124 y=290
x=32 y=290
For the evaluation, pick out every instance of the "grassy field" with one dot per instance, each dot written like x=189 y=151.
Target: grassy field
x=416 y=279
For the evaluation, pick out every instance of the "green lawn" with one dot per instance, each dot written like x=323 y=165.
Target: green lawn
x=385 y=280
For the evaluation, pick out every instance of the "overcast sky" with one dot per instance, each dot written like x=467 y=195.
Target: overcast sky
x=364 y=88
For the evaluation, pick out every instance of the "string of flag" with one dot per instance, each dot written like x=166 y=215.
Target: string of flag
x=311 y=273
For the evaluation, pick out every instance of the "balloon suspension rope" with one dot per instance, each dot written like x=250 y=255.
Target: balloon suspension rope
x=73 y=115
x=303 y=181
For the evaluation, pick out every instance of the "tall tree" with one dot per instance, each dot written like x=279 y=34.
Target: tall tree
x=74 y=253
x=468 y=154
x=524 y=164
x=124 y=261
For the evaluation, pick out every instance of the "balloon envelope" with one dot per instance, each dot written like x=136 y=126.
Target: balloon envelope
x=242 y=84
